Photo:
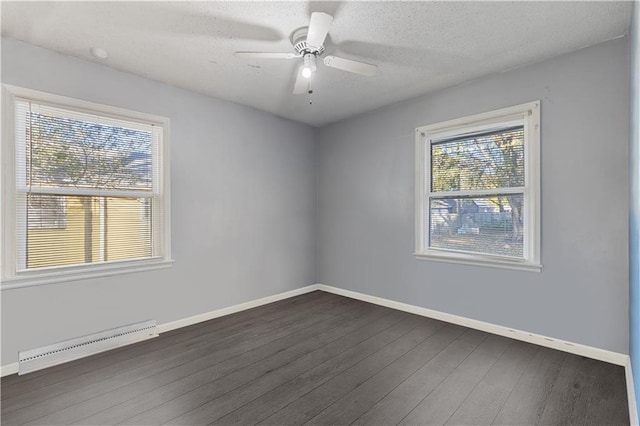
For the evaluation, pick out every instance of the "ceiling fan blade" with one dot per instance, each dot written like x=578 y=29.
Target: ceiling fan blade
x=318 y=28
x=266 y=55
x=301 y=85
x=350 y=65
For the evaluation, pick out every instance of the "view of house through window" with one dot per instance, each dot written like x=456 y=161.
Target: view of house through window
x=87 y=187
x=98 y=229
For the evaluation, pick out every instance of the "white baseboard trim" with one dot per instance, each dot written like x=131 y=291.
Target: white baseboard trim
x=9 y=369
x=631 y=393
x=163 y=328
x=549 y=342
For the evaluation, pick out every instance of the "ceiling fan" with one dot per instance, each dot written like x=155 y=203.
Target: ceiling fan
x=308 y=43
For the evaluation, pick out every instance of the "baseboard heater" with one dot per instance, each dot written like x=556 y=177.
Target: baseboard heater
x=72 y=349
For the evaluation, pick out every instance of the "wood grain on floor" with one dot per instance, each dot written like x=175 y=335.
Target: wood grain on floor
x=319 y=358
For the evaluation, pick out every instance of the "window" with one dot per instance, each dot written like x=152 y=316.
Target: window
x=477 y=189
x=85 y=189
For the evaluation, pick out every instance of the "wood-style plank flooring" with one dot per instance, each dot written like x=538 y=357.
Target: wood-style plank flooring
x=322 y=359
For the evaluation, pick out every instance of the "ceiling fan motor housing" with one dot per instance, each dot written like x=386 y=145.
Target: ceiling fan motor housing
x=299 y=41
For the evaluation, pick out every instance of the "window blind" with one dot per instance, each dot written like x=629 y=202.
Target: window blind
x=484 y=161
x=87 y=187
x=476 y=202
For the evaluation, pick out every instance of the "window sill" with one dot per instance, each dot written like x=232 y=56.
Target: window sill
x=476 y=260
x=37 y=278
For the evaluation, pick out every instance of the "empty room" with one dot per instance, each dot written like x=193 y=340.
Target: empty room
x=337 y=213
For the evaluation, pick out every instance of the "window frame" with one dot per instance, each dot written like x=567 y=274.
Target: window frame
x=527 y=114
x=11 y=277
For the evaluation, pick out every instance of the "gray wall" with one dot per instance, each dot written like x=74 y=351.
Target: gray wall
x=243 y=208
x=366 y=203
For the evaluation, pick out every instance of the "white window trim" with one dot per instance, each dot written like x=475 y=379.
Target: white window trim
x=529 y=114
x=10 y=277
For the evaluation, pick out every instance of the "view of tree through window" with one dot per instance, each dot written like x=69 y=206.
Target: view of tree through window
x=481 y=208
x=101 y=172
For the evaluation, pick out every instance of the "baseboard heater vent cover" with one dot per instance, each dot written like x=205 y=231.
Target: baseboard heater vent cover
x=69 y=350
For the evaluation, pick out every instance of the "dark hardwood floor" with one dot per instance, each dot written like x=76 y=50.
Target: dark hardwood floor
x=322 y=359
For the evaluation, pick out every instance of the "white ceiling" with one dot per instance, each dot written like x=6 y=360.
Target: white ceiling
x=419 y=47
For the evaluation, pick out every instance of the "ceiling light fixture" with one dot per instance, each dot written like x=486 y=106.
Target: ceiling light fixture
x=309 y=65
x=99 y=53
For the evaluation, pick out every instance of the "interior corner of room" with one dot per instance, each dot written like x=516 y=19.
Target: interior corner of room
x=274 y=195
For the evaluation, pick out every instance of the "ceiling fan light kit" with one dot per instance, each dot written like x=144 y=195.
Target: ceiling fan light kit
x=309 y=65
x=308 y=43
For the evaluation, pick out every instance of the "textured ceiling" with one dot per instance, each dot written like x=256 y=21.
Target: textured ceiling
x=418 y=47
